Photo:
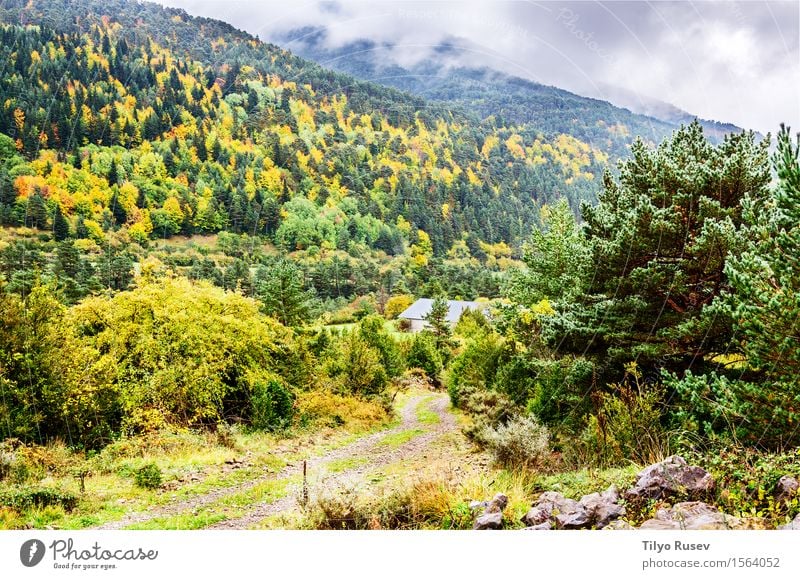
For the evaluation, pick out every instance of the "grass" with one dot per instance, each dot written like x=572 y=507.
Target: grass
x=344 y=464
x=424 y=414
x=229 y=507
x=575 y=484
x=110 y=492
x=400 y=438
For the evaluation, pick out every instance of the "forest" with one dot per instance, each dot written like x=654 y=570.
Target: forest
x=206 y=241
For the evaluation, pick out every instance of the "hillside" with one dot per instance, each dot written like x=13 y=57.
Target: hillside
x=485 y=93
x=207 y=129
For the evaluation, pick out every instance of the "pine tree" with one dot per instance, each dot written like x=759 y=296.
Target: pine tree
x=281 y=288
x=756 y=400
x=60 y=225
x=440 y=326
x=659 y=239
x=765 y=301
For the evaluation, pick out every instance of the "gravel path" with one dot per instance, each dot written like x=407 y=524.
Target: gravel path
x=368 y=447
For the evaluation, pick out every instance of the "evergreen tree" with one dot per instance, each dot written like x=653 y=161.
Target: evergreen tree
x=439 y=325
x=36 y=212
x=60 y=225
x=758 y=401
x=281 y=288
x=659 y=239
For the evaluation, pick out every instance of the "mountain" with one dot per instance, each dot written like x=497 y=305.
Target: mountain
x=486 y=92
x=663 y=111
x=135 y=117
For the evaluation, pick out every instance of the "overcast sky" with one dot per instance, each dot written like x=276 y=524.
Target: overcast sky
x=736 y=62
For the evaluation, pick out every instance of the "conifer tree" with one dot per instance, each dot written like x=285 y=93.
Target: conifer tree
x=60 y=225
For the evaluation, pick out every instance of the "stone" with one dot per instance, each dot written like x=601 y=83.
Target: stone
x=497 y=504
x=560 y=512
x=602 y=508
x=489 y=521
x=794 y=525
x=492 y=517
x=475 y=505
x=670 y=477
x=786 y=489
x=577 y=519
x=536 y=516
x=697 y=516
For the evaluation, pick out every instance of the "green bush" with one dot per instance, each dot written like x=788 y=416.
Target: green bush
x=372 y=330
x=475 y=367
x=39 y=497
x=488 y=409
x=627 y=425
x=424 y=354
x=148 y=476
x=272 y=405
x=357 y=367
x=735 y=409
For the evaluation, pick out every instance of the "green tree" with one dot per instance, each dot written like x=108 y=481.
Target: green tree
x=556 y=259
x=659 y=239
x=372 y=330
x=440 y=326
x=424 y=354
x=60 y=225
x=281 y=289
x=758 y=400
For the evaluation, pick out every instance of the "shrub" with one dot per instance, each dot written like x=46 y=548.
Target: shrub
x=627 y=425
x=358 y=367
x=148 y=476
x=424 y=354
x=396 y=305
x=715 y=405
x=272 y=405
x=471 y=323
x=522 y=442
x=40 y=497
x=488 y=409
x=322 y=407
x=475 y=367
x=372 y=330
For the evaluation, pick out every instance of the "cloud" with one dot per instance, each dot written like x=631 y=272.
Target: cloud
x=730 y=61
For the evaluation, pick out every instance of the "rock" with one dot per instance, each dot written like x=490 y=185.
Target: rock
x=489 y=521
x=561 y=512
x=670 y=477
x=602 y=508
x=475 y=505
x=577 y=519
x=492 y=517
x=794 y=525
x=696 y=516
x=786 y=489
x=536 y=516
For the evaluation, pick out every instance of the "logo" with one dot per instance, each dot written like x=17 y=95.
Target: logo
x=31 y=553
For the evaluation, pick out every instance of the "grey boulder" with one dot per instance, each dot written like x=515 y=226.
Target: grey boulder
x=672 y=476
x=492 y=517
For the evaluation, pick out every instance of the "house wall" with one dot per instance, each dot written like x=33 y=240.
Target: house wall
x=417 y=325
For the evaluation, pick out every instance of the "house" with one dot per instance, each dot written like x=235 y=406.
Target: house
x=416 y=312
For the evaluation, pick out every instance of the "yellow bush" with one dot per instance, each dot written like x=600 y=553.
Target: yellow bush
x=395 y=305
x=325 y=408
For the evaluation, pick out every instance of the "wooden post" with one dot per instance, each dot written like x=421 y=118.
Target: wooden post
x=305 y=485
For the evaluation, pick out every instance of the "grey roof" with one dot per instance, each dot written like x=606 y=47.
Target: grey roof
x=420 y=308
